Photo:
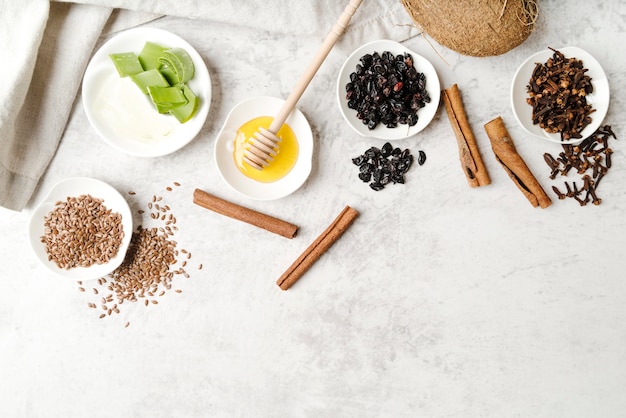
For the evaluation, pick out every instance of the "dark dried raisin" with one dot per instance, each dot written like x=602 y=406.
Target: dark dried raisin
x=386 y=89
x=359 y=160
x=381 y=166
x=421 y=158
x=386 y=150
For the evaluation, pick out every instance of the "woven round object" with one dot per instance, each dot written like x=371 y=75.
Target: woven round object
x=477 y=28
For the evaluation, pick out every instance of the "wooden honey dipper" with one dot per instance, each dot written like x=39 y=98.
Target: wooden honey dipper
x=263 y=145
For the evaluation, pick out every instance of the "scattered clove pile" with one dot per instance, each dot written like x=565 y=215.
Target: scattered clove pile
x=592 y=155
x=557 y=92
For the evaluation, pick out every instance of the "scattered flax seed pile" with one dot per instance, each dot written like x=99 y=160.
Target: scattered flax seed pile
x=152 y=263
x=82 y=231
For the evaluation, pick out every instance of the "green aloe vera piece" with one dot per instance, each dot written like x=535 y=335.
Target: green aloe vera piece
x=166 y=98
x=126 y=63
x=179 y=65
x=149 y=78
x=150 y=54
x=161 y=73
x=187 y=111
x=168 y=73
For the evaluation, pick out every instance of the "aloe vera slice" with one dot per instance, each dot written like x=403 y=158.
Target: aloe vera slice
x=150 y=54
x=166 y=98
x=126 y=63
x=149 y=78
x=185 y=112
x=178 y=64
x=161 y=73
x=168 y=73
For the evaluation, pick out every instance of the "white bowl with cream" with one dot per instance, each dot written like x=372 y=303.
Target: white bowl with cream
x=123 y=116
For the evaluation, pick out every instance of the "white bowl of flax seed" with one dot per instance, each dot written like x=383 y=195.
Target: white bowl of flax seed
x=82 y=228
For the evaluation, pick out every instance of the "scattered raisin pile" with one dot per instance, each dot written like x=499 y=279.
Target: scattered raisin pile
x=381 y=166
x=387 y=89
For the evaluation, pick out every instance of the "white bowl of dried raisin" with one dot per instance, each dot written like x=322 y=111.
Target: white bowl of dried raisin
x=387 y=91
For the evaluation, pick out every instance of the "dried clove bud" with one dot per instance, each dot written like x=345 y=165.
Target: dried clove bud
x=560 y=194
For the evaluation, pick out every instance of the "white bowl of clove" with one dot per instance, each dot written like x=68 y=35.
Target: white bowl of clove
x=82 y=229
x=560 y=95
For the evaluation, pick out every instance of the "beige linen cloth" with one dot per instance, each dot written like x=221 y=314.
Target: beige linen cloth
x=46 y=46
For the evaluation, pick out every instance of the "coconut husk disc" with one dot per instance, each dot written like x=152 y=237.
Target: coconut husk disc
x=477 y=28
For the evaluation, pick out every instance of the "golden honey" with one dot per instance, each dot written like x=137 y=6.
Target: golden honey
x=284 y=160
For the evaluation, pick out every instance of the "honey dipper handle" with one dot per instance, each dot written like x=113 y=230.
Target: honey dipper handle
x=314 y=65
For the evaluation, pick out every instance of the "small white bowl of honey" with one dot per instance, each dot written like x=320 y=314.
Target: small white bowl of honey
x=290 y=167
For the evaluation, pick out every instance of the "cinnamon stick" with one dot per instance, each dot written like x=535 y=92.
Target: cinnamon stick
x=314 y=251
x=235 y=211
x=507 y=155
x=471 y=161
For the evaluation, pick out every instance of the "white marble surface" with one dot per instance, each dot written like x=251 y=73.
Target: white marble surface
x=439 y=301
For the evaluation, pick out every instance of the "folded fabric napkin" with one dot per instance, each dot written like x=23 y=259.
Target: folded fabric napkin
x=42 y=64
x=39 y=40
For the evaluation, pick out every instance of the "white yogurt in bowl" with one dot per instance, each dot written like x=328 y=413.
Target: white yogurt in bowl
x=128 y=112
